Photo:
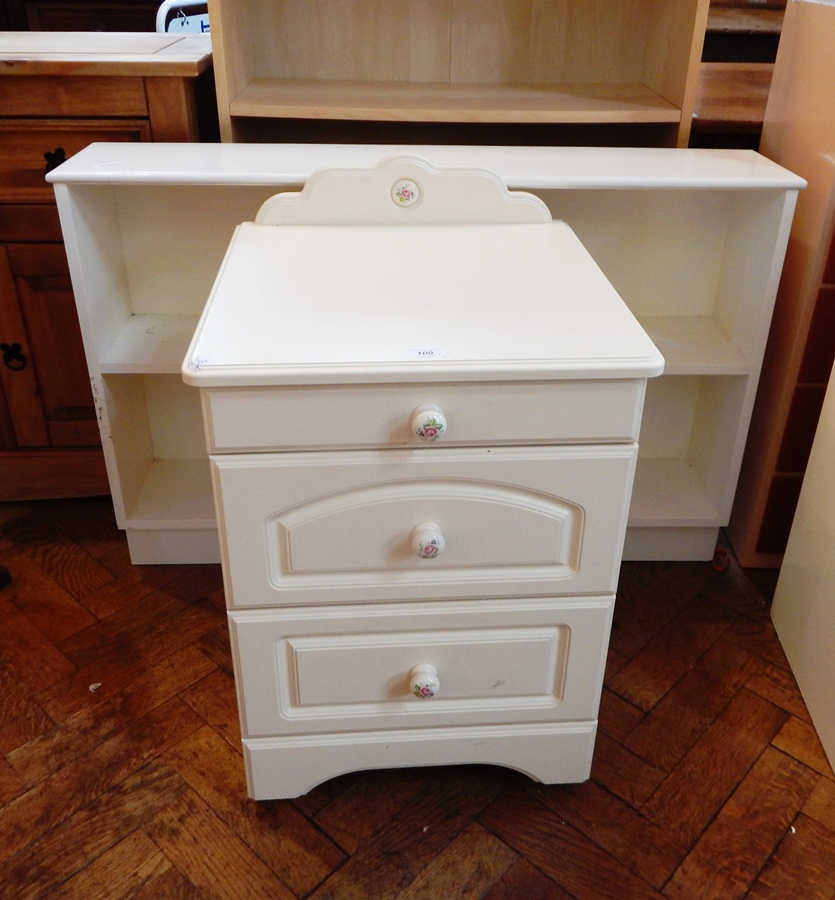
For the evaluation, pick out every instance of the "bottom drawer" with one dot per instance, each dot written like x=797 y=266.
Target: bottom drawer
x=505 y=661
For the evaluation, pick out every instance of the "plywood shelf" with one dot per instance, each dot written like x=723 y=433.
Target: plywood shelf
x=435 y=102
x=695 y=345
x=149 y=343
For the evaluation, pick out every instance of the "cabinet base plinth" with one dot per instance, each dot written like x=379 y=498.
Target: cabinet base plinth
x=173 y=546
x=285 y=767
x=670 y=543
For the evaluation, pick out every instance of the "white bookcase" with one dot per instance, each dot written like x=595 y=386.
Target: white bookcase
x=693 y=240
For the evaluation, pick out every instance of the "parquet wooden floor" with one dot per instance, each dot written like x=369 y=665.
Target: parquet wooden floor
x=121 y=774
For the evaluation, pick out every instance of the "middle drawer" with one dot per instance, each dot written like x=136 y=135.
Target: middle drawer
x=339 y=527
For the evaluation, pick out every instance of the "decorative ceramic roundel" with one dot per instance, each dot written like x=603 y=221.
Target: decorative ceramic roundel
x=405 y=192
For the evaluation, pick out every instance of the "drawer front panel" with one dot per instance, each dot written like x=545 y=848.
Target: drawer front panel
x=478 y=413
x=342 y=527
x=82 y=95
x=503 y=661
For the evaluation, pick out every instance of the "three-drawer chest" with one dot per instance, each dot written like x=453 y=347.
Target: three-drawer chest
x=421 y=400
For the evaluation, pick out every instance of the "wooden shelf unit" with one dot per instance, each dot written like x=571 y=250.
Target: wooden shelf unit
x=600 y=62
x=693 y=240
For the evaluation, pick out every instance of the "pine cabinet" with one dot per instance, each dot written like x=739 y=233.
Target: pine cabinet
x=692 y=240
x=596 y=71
x=58 y=94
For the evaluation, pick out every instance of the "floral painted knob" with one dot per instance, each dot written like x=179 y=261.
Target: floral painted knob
x=428 y=422
x=423 y=681
x=427 y=540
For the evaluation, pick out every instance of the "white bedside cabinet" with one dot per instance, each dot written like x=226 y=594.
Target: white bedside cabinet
x=421 y=399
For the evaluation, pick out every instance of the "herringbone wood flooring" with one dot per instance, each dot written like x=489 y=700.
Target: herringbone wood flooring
x=121 y=774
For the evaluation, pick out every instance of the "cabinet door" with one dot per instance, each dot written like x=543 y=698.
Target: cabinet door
x=44 y=372
x=28 y=146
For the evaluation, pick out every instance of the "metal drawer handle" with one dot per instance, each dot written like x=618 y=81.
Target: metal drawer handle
x=54 y=158
x=423 y=681
x=13 y=357
x=428 y=422
x=427 y=540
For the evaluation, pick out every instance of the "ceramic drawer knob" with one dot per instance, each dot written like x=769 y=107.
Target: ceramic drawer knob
x=427 y=540
x=428 y=423
x=423 y=681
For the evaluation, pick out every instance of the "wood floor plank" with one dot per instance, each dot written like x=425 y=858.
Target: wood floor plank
x=15 y=697
x=778 y=686
x=648 y=850
x=450 y=800
x=169 y=885
x=735 y=588
x=641 y=614
x=123 y=685
x=76 y=841
x=59 y=796
x=472 y=864
x=213 y=699
x=143 y=642
x=526 y=881
x=739 y=841
x=576 y=863
x=24 y=728
x=636 y=578
x=51 y=609
x=118 y=872
x=800 y=740
x=652 y=671
x=758 y=637
x=96 y=715
x=212 y=856
x=69 y=564
x=665 y=735
x=358 y=813
x=215 y=644
x=821 y=804
x=298 y=852
x=617 y=717
x=623 y=772
x=693 y=793
x=89 y=522
x=20 y=644
x=802 y=866
x=11 y=784
x=129 y=590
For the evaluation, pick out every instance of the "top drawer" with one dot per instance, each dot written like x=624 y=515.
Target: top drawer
x=294 y=418
x=73 y=96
